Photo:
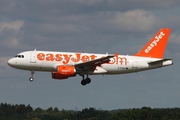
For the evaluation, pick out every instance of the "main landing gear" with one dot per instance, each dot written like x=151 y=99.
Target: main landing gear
x=31 y=78
x=85 y=81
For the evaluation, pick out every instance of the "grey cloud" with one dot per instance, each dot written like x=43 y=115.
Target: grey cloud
x=67 y=23
x=136 y=20
x=16 y=25
x=39 y=8
x=3 y=61
x=11 y=34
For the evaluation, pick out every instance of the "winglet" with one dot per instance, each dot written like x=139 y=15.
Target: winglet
x=156 y=46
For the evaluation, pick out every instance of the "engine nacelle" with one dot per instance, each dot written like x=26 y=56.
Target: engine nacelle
x=63 y=72
x=56 y=76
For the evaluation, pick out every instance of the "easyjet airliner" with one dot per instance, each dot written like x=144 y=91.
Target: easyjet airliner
x=63 y=65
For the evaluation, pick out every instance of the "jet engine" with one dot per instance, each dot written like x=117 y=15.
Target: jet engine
x=63 y=72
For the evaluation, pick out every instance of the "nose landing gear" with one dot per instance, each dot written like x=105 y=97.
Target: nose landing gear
x=32 y=74
x=31 y=79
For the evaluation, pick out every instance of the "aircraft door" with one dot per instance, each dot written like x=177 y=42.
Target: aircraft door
x=134 y=63
x=33 y=57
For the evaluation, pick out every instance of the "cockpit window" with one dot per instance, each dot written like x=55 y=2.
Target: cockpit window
x=19 y=56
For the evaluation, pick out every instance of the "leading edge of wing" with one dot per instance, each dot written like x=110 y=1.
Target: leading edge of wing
x=96 y=62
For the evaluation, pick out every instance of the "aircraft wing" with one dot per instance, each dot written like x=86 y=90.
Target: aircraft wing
x=96 y=62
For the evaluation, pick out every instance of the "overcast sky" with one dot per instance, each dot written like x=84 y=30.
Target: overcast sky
x=98 y=26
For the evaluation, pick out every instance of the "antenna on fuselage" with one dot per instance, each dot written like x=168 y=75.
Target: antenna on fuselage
x=34 y=49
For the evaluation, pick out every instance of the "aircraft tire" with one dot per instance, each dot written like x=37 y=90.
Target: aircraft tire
x=83 y=82
x=31 y=79
x=88 y=80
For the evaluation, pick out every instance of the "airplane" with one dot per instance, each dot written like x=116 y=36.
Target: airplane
x=63 y=65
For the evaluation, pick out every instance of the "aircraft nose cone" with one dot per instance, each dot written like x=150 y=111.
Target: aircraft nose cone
x=10 y=62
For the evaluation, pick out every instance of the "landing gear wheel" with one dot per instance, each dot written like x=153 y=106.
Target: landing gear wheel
x=88 y=80
x=31 y=79
x=32 y=74
x=83 y=82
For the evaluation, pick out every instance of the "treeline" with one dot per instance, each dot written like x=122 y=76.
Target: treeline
x=26 y=112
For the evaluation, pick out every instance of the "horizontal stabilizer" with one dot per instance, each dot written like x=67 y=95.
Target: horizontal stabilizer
x=158 y=62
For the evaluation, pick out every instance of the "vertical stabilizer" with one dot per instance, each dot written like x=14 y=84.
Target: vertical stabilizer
x=156 y=46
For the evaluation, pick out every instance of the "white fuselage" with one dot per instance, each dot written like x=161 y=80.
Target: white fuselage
x=48 y=61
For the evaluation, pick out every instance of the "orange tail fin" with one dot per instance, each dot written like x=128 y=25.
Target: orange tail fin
x=156 y=46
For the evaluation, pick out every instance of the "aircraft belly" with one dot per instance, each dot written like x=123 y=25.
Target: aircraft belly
x=41 y=66
x=116 y=69
x=99 y=70
x=122 y=69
